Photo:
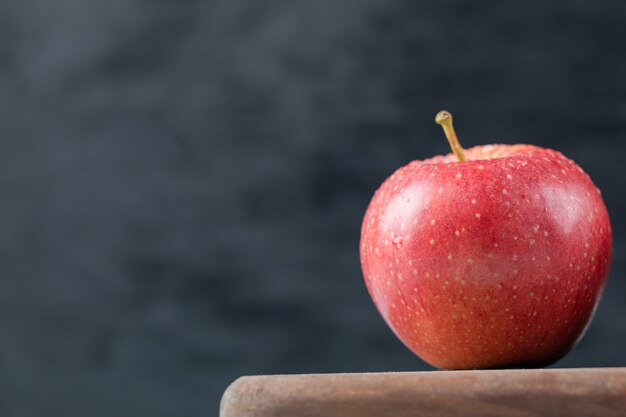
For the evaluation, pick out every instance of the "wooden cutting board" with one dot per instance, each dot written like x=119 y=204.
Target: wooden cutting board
x=543 y=392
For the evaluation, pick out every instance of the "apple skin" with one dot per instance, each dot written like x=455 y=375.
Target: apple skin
x=495 y=262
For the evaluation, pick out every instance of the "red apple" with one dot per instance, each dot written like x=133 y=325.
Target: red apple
x=489 y=258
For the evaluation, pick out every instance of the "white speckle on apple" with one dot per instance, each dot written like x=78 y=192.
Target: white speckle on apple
x=473 y=201
x=433 y=221
x=457 y=233
x=458 y=176
x=504 y=191
x=477 y=215
x=432 y=241
x=509 y=176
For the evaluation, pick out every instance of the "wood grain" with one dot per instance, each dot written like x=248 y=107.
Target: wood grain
x=503 y=393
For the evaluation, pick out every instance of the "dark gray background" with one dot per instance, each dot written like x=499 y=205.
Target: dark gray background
x=182 y=182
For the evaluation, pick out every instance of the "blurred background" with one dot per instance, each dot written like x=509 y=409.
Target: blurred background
x=182 y=183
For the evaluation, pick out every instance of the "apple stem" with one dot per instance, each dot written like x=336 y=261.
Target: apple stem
x=444 y=119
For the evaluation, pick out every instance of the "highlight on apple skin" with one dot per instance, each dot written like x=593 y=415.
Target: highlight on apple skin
x=496 y=258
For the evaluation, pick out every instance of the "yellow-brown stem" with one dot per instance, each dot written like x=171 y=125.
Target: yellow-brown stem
x=444 y=119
